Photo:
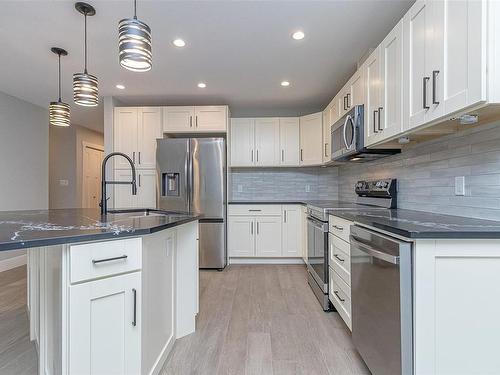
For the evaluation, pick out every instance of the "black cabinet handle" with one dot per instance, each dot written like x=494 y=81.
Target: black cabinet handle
x=326 y=152
x=190 y=121
x=338 y=296
x=139 y=180
x=379 y=112
x=348 y=101
x=424 y=82
x=109 y=259
x=134 y=321
x=133 y=157
x=196 y=120
x=139 y=157
x=375 y=121
x=434 y=79
x=301 y=153
x=339 y=258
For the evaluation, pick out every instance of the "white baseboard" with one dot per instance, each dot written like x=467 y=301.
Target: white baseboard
x=13 y=262
x=233 y=260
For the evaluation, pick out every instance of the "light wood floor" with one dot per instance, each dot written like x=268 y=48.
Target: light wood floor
x=253 y=320
x=263 y=319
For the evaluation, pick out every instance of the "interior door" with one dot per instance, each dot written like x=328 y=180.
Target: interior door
x=125 y=135
x=178 y=119
x=149 y=129
x=242 y=142
x=207 y=171
x=267 y=135
x=268 y=236
x=92 y=160
x=210 y=118
x=105 y=325
x=289 y=141
x=241 y=236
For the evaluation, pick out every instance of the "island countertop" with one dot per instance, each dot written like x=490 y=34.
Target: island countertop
x=25 y=229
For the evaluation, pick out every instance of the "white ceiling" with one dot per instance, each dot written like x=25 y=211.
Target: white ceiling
x=242 y=50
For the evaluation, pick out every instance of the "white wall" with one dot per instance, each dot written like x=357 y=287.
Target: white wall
x=24 y=157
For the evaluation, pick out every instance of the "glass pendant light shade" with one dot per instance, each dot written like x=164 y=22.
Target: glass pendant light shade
x=85 y=86
x=59 y=112
x=134 y=41
x=85 y=89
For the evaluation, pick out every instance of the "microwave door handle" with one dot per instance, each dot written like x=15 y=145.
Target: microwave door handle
x=348 y=117
x=373 y=252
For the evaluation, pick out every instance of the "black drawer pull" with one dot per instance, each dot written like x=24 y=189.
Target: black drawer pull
x=339 y=258
x=338 y=296
x=134 y=321
x=123 y=257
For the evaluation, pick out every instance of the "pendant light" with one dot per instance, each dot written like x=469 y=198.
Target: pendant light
x=59 y=112
x=85 y=91
x=134 y=42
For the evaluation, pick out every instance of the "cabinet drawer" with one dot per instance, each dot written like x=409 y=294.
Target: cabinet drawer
x=254 y=209
x=340 y=227
x=339 y=260
x=340 y=299
x=100 y=259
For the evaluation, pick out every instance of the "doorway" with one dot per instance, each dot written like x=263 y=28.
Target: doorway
x=92 y=160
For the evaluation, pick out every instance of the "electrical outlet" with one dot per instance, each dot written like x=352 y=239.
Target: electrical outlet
x=460 y=185
x=64 y=182
x=240 y=188
x=308 y=188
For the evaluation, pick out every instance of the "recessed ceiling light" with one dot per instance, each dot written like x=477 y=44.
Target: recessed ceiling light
x=298 y=35
x=202 y=85
x=121 y=87
x=179 y=43
x=285 y=83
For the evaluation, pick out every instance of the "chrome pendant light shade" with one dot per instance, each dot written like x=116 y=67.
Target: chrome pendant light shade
x=85 y=86
x=134 y=41
x=59 y=112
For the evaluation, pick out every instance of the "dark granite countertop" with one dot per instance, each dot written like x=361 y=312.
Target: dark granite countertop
x=24 y=229
x=417 y=224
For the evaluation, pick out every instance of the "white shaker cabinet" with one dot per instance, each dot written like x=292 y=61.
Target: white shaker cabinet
x=267 y=136
x=148 y=131
x=291 y=242
x=241 y=236
x=311 y=139
x=242 y=142
x=210 y=118
x=125 y=134
x=289 y=141
x=105 y=321
x=268 y=236
x=193 y=119
x=178 y=118
x=372 y=98
x=146 y=189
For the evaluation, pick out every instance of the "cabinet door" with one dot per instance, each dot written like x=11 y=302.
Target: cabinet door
x=391 y=88
x=267 y=134
x=125 y=135
x=342 y=99
x=372 y=76
x=105 y=326
x=417 y=38
x=289 y=141
x=356 y=92
x=242 y=142
x=149 y=130
x=326 y=135
x=457 y=67
x=268 y=236
x=178 y=119
x=241 y=236
x=123 y=197
x=292 y=231
x=210 y=118
x=311 y=139
x=146 y=188
x=334 y=110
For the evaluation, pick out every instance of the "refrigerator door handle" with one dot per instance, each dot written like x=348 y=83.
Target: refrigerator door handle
x=187 y=169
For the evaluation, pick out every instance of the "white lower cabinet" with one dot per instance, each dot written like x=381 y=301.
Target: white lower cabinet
x=146 y=189
x=265 y=231
x=105 y=326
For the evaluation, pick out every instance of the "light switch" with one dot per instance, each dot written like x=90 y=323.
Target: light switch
x=460 y=185
x=64 y=182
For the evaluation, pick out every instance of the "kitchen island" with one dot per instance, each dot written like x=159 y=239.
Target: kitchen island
x=106 y=294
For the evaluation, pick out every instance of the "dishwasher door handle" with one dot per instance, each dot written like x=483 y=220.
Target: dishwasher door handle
x=373 y=252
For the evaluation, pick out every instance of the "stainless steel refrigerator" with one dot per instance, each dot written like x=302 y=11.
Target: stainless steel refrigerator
x=192 y=178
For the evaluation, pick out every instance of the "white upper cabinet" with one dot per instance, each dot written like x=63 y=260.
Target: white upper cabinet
x=178 y=119
x=289 y=141
x=372 y=98
x=311 y=139
x=352 y=93
x=210 y=118
x=192 y=119
x=390 y=112
x=148 y=131
x=242 y=142
x=135 y=132
x=326 y=135
x=267 y=135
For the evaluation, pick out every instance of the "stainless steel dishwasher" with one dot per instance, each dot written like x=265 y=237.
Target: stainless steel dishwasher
x=381 y=296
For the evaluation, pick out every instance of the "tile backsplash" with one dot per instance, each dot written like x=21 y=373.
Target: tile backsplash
x=284 y=183
x=426 y=174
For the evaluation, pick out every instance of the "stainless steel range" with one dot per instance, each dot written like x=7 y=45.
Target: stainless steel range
x=379 y=194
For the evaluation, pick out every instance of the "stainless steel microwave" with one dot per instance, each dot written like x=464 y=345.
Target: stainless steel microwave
x=348 y=139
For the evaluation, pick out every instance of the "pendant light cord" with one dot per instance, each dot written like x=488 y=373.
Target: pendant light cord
x=135 y=9
x=85 y=42
x=60 y=77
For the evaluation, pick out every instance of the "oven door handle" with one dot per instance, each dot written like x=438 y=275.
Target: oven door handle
x=318 y=224
x=372 y=251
